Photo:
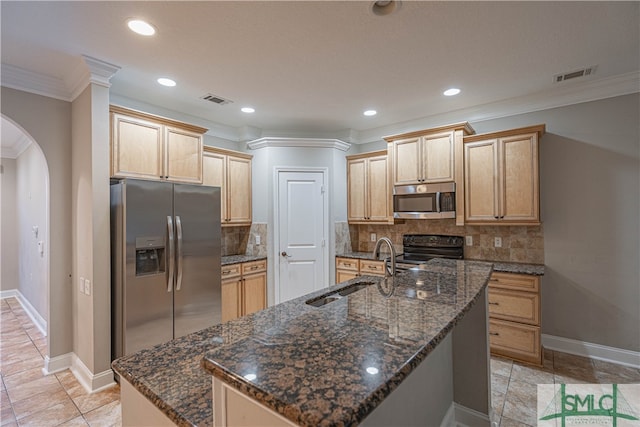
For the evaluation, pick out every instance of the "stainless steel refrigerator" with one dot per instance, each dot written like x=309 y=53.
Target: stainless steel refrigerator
x=165 y=262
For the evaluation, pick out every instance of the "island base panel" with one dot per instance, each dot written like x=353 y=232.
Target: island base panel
x=137 y=410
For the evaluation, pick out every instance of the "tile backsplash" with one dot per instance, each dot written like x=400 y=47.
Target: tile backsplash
x=519 y=243
x=242 y=240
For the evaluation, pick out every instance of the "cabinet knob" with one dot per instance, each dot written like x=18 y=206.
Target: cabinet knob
x=495 y=334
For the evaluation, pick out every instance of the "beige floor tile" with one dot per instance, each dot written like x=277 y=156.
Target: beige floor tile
x=562 y=360
x=23 y=365
x=531 y=374
x=48 y=384
x=41 y=345
x=23 y=377
x=108 y=415
x=547 y=359
x=52 y=416
x=77 y=421
x=499 y=382
x=6 y=411
x=521 y=403
x=497 y=402
x=23 y=351
x=88 y=402
x=611 y=373
x=71 y=383
x=501 y=366
x=39 y=402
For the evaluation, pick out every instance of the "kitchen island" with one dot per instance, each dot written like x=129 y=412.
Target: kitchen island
x=342 y=363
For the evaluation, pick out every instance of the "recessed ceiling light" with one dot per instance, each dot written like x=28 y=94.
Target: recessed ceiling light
x=370 y=113
x=451 y=92
x=141 y=27
x=166 y=82
x=248 y=110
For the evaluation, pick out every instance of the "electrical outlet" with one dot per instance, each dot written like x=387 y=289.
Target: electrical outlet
x=81 y=285
x=87 y=286
x=469 y=240
x=257 y=239
x=373 y=237
x=497 y=242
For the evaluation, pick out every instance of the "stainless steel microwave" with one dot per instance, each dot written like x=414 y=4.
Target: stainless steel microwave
x=425 y=201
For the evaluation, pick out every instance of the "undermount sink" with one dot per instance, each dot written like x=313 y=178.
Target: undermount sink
x=336 y=295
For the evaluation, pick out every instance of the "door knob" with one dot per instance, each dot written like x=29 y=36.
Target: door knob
x=285 y=254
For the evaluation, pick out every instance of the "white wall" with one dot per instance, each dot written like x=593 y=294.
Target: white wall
x=8 y=228
x=32 y=205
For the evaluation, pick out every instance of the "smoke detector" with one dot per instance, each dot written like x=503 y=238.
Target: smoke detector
x=216 y=99
x=575 y=74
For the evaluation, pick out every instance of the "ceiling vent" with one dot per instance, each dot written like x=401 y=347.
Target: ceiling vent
x=574 y=74
x=216 y=99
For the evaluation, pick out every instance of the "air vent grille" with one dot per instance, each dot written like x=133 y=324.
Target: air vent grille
x=574 y=74
x=216 y=99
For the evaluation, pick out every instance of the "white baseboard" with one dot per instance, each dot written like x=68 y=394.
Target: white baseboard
x=593 y=351
x=465 y=417
x=33 y=314
x=57 y=364
x=91 y=382
x=461 y=416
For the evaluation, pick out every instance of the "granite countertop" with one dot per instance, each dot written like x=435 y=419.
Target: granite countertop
x=282 y=343
x=309 y=364
x=503 y=267
x=236 y=259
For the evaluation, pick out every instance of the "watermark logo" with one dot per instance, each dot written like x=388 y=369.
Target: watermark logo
x=588 y=404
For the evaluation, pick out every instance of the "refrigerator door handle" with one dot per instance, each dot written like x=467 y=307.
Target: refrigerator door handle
x=172 y=255
x=179 y=239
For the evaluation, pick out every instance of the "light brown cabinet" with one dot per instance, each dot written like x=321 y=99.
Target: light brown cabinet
x=350 y=268
x=368 y=189
x=244 y=289
x=151 y=147
x=514 y=316
x=502 y=177
x=231 y=171
x=430 y=156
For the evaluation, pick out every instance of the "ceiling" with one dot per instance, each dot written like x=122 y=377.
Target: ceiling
x=314 y=67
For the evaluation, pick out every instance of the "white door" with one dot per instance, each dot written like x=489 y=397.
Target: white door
x=301 y=224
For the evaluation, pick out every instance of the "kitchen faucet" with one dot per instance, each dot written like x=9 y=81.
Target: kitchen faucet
x=376 y=255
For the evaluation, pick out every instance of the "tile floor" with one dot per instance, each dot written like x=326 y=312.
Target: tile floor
x=29 y=398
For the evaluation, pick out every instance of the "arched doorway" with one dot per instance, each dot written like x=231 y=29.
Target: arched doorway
x=25 y=228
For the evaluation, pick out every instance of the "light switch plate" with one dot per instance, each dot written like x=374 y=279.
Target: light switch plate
x=469 y=240
x=87 y=286
x=257 y=239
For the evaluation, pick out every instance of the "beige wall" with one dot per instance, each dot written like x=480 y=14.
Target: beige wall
x=31 y=202
x=48 y=122
x=8 y=230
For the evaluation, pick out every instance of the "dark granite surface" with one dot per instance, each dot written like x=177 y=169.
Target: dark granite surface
x=505 y=267
x=236 y=259
x=310 y=362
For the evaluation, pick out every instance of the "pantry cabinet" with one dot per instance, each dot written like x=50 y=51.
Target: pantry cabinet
x=430 y=156
x=501 y=177
x=514 y=316
x=231 y=171
x=152 y=147
x=244 y=289
x=368 y=189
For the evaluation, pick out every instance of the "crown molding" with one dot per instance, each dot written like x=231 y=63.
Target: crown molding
x=32 y=82
x=16 y=148
x=298 y=142
x=90 y=71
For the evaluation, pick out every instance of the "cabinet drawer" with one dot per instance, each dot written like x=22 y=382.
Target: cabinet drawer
x=515 y=340
x=231 y=270
x=516 y=282
x=516 y=306
x=374 y=268
x=347 y=264
x=254 y=266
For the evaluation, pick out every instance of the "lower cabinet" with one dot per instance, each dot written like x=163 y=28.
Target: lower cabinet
x=244 y=289
x=349 y=268
x=514 y=317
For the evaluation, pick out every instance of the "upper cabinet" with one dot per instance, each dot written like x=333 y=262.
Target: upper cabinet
x=368 y=189
x=502 y=177
x=151 y=147
x=231 y=171
x=430 y=156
